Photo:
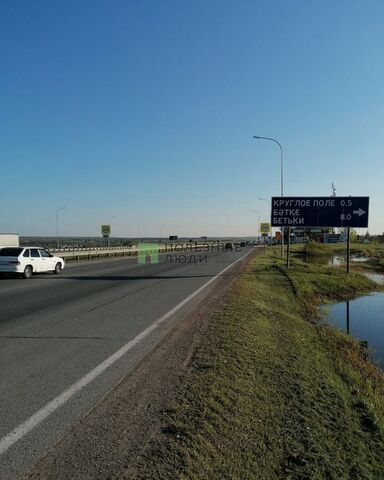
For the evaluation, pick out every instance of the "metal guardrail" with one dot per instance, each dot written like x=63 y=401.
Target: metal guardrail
x=86 y=249
x=92 y=253
x=97 y=252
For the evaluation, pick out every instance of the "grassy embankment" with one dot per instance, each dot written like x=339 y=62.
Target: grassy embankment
x=271 y=393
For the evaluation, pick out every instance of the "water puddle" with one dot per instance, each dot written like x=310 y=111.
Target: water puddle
x=363 y=318
x=341 y=261
x=331 y=260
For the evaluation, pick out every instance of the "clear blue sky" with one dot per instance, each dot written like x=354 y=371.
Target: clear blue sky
x=145 y=111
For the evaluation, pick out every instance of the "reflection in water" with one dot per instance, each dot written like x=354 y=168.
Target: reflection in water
x=331 y=260
x=362 y=318
x=337 y=261
x=347 y=303
x=375 y=277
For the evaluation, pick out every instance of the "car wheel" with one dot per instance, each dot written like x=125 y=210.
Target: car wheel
x=28 y=271
x=57 y=268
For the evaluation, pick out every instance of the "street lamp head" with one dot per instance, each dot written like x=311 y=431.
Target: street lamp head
x=255 y=136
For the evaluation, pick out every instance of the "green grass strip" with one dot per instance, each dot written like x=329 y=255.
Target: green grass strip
x=271 y=394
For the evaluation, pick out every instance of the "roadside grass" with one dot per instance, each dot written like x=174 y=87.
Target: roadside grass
x=315 y=284
x=315 y=249
x=374 y=252
x=271 y=394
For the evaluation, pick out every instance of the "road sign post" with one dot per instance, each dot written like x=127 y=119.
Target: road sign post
x=106 y=232
x=348 y=248
x=265 y=229
x=342 y=212
x=288 y=246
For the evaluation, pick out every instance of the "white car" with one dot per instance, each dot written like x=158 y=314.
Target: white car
x=29 y=260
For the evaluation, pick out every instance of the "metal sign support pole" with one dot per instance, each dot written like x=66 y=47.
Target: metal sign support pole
x=282 y=243
x=288 y=246
x=348 y=248
x=264 y=246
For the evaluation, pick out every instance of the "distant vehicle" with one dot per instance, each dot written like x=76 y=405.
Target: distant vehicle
x=9 y=240
x=228 y=246
x=27 y=261
x=334 y=238
x=242 y=244
x=299 y=240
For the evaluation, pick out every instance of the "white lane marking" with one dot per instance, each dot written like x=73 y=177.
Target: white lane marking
x=24 y=428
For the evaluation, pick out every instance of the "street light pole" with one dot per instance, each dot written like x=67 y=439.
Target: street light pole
x=281 y=160
x=281 y=181
x=258 y=219
x=57 y=226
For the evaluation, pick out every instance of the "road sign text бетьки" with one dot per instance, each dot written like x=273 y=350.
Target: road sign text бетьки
x=320 y=212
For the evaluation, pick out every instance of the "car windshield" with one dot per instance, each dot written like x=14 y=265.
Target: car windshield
x=10 y=252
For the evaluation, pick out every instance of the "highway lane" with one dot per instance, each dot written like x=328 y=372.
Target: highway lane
x=55 y=329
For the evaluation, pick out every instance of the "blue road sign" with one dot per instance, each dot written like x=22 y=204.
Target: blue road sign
x=320 y=212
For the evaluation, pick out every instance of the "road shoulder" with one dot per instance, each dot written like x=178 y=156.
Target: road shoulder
x=118 y=432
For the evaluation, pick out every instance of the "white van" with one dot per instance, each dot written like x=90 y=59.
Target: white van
x=29 y=260
x=9 y=240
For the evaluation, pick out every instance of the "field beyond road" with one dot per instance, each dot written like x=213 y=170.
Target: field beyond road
x=269 y=393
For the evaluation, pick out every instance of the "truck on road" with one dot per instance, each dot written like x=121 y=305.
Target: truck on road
x=9 y=240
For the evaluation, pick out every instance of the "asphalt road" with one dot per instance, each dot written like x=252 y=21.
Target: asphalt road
x=59 y=336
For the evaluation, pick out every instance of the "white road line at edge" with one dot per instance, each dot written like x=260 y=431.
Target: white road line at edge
x=24 y=428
